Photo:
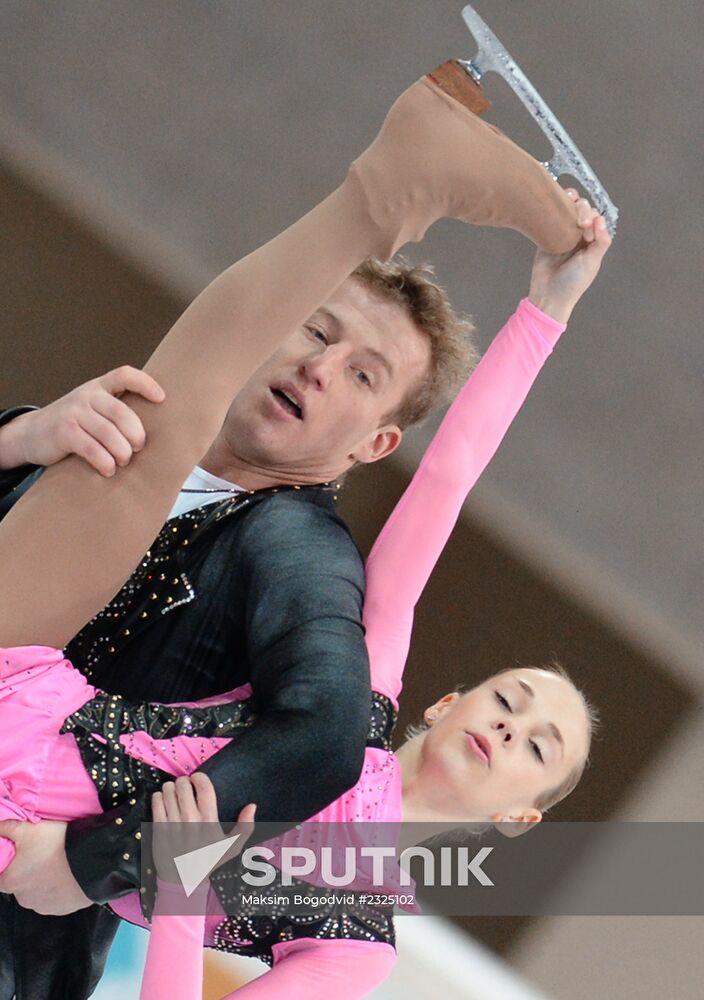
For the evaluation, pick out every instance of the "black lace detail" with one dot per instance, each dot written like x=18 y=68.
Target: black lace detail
x=160 y=583
x=116 y=774
x=254 y=934
x=381 y=722
x=158 y=586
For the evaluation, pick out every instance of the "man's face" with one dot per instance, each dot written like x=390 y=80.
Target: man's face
x=317 y=406
x=499 y=747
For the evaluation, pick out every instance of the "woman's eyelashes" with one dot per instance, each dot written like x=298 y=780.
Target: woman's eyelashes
x=503 y=701
x=534 y=746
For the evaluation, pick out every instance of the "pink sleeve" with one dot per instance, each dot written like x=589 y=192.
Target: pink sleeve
x=173 y=969
x=320 y=970
x=414 y=536
x=306 y=969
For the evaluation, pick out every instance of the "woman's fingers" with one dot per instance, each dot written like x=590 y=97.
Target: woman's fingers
x=586 y=214
x=585 y=218
x=123 y=418
x=158 y=809
x=244 y=828
x=186 y=800
x=247 y=814
x=206 y=798
x=168 y=792
x=192 y=800
x=602 y=238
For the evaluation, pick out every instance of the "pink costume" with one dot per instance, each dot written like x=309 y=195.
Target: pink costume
x=42 y=774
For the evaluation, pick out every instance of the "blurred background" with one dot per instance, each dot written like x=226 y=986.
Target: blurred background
x=144 y=146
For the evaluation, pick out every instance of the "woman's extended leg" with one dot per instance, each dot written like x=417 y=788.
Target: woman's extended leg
x=72 y=541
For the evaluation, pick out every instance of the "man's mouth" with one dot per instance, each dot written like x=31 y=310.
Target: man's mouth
x=480 y=746
x=288 y=400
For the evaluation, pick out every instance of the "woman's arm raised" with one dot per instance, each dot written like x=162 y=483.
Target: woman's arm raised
x=412 y=540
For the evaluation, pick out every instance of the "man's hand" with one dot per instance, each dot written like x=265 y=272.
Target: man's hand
x=559 y=281
x=91 y=422
x=39 y=877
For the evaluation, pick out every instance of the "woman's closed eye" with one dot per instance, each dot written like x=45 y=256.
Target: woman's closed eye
x=503 y=701
x=537 y=751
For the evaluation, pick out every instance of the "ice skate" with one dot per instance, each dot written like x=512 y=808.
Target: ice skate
x=567 y=159
x=434 y=157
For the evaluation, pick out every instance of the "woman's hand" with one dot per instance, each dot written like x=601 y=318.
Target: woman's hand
x=189 y=800
x=559 y=281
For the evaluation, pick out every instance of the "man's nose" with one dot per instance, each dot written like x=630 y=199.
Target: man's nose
x=319 y=369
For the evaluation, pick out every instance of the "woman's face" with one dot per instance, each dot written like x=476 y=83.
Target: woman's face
x=499 y=747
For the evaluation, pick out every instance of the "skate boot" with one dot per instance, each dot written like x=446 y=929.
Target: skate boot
x=435 y=158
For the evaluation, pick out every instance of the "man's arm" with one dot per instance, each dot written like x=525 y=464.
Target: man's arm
x=90 y=421
x=301 y=581
x=12 y=470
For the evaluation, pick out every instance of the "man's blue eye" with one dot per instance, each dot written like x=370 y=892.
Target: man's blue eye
x=318 y=334
x=503 y=701
x=537 y=751
x=363 y=378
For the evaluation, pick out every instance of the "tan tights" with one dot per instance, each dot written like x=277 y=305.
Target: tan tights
x=74 y=539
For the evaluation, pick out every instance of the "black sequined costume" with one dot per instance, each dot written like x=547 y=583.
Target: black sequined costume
x=118 y=776
x=212 y=607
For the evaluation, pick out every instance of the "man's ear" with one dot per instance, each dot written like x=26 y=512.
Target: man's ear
x=378 y=445
x=515 y=826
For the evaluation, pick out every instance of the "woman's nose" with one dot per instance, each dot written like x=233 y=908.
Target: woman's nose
x=504 y=731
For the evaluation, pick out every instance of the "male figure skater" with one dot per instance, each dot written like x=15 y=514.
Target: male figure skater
x=261 y=587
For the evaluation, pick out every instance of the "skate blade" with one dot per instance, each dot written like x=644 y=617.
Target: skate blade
x=567 y=158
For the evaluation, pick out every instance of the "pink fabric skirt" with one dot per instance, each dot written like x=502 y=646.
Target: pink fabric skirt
x=41 y=771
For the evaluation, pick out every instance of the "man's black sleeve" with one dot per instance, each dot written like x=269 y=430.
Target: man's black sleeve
x=301 y=580
x=10 y=479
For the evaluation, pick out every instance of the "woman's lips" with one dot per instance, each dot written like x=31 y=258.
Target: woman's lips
x=480 y=746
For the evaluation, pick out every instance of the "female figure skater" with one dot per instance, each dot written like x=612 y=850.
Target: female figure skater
x=69 y=544
x=504 y=752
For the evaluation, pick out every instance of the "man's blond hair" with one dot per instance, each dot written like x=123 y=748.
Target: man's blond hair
x=452 y=352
